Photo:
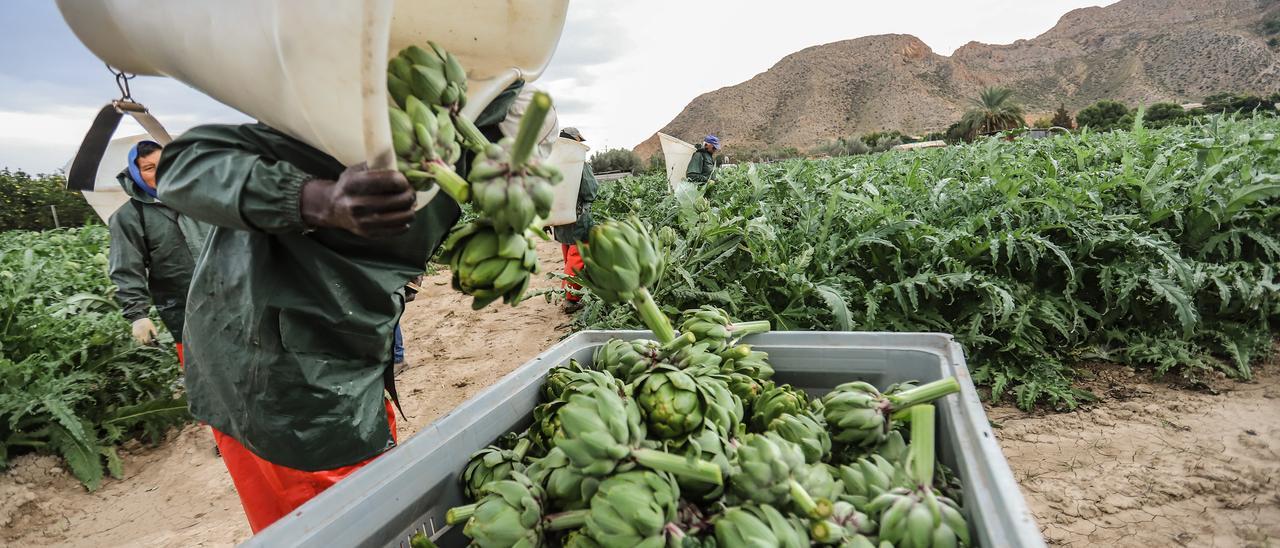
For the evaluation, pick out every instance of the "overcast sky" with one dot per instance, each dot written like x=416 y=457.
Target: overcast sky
x=622 y=71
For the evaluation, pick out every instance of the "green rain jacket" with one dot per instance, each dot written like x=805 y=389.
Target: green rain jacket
x=700 y=166
x=152 y=255
x=289 y=330
x=577 y=232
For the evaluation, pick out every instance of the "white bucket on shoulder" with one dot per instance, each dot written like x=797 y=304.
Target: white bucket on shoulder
x=317 y=70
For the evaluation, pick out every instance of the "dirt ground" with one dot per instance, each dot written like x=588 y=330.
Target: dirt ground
x=1147 y=465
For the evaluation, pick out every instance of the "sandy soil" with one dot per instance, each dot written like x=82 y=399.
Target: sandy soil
x=1146 y=465
x=1151 y=465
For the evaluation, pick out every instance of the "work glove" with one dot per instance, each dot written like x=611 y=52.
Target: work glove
x=372 y=204
x=144 y=331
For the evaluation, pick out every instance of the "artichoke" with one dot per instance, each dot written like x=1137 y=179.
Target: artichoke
x=917 y=516
x=546 y=421
x=623 y=261
x=775 y=401
x=676 y=402
x=759 y=526
x=846 y=527
x=626 y=360
x=510 y=515
x=714 y=326
x=819 y=481
x=510 y=194
x=859 y=415
x=492 y=464
x=708 y=445
x=489 y=265
x=566 y=488
x=633 y=509
x=765 y=473
x=603 y=433
x=870 y=477
x=742 y=359
x=807 y=431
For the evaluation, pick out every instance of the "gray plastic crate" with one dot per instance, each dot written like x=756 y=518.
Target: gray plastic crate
x=410 y=488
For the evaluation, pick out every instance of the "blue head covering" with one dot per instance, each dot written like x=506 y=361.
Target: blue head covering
x=715 y=141
x=136 y=174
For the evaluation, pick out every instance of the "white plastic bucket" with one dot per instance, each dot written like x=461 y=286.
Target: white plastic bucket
x=569 y=156
x=107 y=196
x=317 y=70
x=676 y=154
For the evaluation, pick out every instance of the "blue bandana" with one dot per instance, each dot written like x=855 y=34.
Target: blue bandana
x=135 y=174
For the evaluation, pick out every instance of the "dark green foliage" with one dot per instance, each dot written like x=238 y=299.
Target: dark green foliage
x=1151 y=247
x=1231 y=103
x=72 y=380
x=1062 y=118
x=842 y=147
x=1104 y=115
x=616 y=159
x=25 y=202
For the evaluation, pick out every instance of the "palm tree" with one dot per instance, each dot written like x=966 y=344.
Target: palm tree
x=993 y=110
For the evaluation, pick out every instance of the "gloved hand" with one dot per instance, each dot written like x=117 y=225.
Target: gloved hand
x=373 y=204
x=144 y=331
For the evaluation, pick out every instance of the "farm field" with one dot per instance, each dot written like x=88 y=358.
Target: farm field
x=1072 y=269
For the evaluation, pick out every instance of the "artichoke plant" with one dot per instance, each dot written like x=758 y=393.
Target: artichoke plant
x=633 y=509
x=710 y=445
x=765 y=473
x=492 y=464
x=807 y=431
x=603 y=433
x=870 y=477
x=676 y=402
x=623 y=261
x=859 y=415
x=759 y=526
x=714 y=326
x=509 y=515
x=846 y=527
x=775 y=401
x=917 y=516
x=626 y=360
x=489 y=265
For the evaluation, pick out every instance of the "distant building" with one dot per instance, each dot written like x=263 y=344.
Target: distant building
x=925 y=144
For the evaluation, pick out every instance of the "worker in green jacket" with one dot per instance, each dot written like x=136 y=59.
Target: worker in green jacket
x=290 y=317
x=703 y=161
x=153 y=251
x=571 y=234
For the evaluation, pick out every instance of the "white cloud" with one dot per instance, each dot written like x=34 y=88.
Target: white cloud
x=623 y=69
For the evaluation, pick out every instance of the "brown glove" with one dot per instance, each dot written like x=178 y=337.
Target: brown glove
x=373 y=204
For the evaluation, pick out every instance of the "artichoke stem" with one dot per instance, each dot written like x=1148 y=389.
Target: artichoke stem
x=521 y=448
x=691 y=469
x=450 y=182
x=811 y=508
x=925 y=393
x=567 y=520
x=921 y=453
x=653 y=317
x=742 y=329
x=530 y=127
x=471 y=135
x=459 y=514
x=826 y=532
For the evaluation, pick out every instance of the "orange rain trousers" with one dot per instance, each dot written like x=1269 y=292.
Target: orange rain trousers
x=572 y=265
x=269 y=491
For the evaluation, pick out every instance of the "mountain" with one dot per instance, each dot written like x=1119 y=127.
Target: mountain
x=1135 y=51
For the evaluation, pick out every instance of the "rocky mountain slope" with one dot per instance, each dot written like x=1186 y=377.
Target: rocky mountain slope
x=1137 y=51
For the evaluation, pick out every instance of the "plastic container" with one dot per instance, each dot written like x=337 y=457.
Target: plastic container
x=568 y=156
x=410 y=488
x=107 y=196
x=676 y=154
x=317 y=71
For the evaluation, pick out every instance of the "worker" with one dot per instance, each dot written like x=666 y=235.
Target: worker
x=291 y=317
x=571 y=234
x=153 y=251
x=703 y=161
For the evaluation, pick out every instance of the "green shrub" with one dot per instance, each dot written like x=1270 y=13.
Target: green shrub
x=616 y=159
x=26 y=201
x=1104 y=115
